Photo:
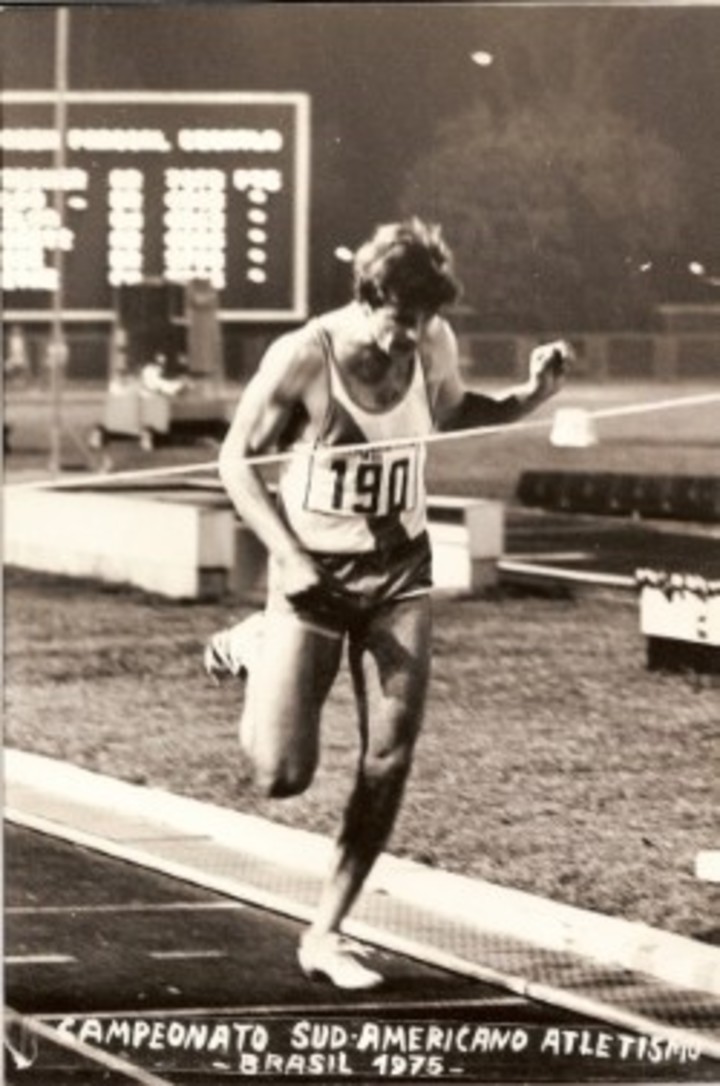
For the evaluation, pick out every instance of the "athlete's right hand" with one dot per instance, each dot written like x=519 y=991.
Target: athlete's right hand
x=307 y=587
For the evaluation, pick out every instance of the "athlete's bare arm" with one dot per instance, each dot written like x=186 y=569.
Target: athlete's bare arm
x=267 y=408
x=458 y=408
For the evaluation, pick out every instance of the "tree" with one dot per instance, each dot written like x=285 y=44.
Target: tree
x=552 y=212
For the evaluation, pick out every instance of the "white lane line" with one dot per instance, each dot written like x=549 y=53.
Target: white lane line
x=174 y=906
x=180 y=955
x=302 y=1009
x=38 y=959
x=551 y=556
x=611 y=580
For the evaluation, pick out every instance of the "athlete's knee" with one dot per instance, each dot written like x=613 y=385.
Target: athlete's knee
x=282 y=785
x=390 y=747
x=376 y=798
x=387 y=763
x=281 y=780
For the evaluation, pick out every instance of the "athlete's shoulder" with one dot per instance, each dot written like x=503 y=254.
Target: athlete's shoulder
x=439 y=347
x=439 y=333
x=298 y=344
x=337 y=322
x=294 y=358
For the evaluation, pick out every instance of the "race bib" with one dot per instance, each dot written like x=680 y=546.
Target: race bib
x=375 y=483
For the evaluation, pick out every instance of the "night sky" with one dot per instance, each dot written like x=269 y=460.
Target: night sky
x=382 y=76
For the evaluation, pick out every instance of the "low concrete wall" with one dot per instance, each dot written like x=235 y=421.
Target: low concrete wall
x=192 y=546
x=179 y=550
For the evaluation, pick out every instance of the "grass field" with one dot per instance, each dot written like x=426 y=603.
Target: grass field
x=552 y=760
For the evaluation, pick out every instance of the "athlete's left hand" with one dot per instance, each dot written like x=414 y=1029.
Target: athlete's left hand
x=549 y=364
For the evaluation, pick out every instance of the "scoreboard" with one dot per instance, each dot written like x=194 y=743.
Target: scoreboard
x=154 y=186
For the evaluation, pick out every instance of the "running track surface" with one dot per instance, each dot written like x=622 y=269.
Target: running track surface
x=93 y=938
x=89 y=936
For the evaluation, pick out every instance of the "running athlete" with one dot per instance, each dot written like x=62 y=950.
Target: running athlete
x=349 y=556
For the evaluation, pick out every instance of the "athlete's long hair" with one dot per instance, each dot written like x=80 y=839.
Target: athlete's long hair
x=407 y=264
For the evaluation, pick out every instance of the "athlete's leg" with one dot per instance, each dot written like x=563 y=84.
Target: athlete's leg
x=291 y=674
x=390 y=664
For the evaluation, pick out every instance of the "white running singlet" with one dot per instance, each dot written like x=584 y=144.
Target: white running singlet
x=359 y=501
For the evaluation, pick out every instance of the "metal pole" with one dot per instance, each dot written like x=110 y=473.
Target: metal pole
x=57 y=353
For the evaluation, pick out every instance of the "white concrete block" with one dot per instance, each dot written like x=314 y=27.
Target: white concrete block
x=707 y=865
x=159 y=546
x=168 y=546
x=680 y=607
x=468 y=538
x=573 y=428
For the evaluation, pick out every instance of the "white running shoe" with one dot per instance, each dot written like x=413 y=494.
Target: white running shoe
x=231 y=651
x=333 y=957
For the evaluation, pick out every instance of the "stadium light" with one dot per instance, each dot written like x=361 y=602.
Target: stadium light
x=482 y=58
x=697 y=268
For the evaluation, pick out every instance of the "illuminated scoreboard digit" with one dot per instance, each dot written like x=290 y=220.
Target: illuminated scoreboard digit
x=174 y=186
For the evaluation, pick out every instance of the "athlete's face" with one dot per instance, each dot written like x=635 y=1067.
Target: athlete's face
x=396 y=331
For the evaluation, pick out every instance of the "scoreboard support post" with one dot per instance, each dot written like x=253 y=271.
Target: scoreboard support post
x=57 y=349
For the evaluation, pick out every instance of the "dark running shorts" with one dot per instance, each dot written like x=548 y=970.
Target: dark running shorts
x=357 y=585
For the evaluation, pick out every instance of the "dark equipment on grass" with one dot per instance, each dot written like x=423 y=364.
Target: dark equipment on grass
x=165 y=368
